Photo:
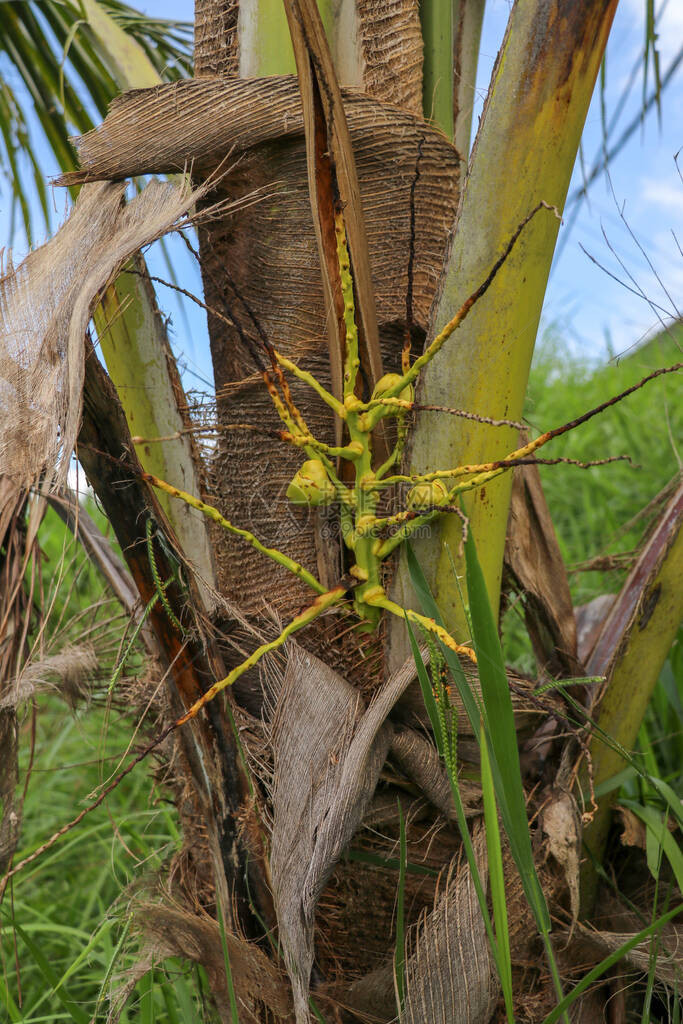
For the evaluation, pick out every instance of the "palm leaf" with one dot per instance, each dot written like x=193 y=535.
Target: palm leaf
x=60 y=67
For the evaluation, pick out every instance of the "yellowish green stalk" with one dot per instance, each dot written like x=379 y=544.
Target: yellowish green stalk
x=362 y=502
x=308 y=378
x=309 y=442
x=212 y=513
x=397 y=453
x=380 y=600
x=328 y=599
x=298 y=433
x=352 y=357
x=631 y=680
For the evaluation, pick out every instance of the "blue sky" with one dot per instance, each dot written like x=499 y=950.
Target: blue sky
x=593 y=314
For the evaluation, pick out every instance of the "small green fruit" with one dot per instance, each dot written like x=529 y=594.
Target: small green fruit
x=390 y=380
x=426 y=495
x=311 y=485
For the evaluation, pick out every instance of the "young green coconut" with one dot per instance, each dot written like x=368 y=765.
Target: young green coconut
x=384 y=384
x=427 y=495
x=311 y=486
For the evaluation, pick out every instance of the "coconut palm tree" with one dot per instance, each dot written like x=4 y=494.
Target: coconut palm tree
x=328 y=786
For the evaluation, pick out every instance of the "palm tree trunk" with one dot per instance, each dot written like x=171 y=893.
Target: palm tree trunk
x=260 y=273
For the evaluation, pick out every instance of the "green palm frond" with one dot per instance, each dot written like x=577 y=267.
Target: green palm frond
x=59 y=70
x=168 y=44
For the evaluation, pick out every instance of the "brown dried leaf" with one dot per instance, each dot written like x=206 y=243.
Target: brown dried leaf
x=589 y=619
x=45 y=306
x=169 y=931
x=634 y=830
x=532 y=557
x=562 y=826
x=637 y=598
x=333 y=185
x=450 y=975
x=328 y=754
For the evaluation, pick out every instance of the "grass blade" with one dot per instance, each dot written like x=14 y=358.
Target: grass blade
x=15 y=1014
x=315 y=1011
x=392 y=863
x=496 y=878
x=427 y=694
x=110 y=967
x=77 y=1015
x=179 y=991
x=95 y=938
x=503 y=735
x=170 y=1003
x=145 y=989
x=673 y=801
x=451 y=768
x=475 y=712
x=609 y=962
x=228 y=972
x=659 y=833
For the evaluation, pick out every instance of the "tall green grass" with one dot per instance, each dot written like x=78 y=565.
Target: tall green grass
x=591 y=508
x=64 y=920
x=596 y=511
x=64 y=916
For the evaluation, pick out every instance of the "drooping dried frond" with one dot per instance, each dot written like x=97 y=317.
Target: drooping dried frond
x=167 y=930
x=328 y=754
x=534 y=562
x=45 y=306
x=68 y=673
x=620 y=924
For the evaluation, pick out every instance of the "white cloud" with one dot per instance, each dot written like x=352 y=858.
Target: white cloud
x=669 y=25
x=664 y=193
